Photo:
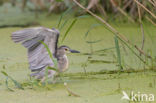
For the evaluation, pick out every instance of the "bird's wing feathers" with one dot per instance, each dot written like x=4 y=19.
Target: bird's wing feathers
x=37 y=53
x=26 y=34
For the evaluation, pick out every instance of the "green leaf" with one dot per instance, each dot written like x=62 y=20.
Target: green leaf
x=51 y=68
x=62 y=15
x=69 y=28
x=4 y=73
x=118 y=52
x=18 y=85
x=91 y=27
x=65 y=22
x=47 y=48
x=50 y=54
x=103 y=50
x=6 y=83
x=59 y=22
x=94 y=41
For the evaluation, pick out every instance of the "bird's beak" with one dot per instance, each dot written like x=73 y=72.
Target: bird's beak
x=74 y=51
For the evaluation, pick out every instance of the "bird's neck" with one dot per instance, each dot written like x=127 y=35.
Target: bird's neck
x=59 y=54
x=61 y=57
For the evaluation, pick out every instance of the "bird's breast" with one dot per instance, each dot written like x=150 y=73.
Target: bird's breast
x=63 y=63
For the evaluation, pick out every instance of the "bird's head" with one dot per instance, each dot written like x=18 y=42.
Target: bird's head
x=62 y=50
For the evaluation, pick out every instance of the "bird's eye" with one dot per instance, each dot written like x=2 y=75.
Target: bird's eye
x=66 y=49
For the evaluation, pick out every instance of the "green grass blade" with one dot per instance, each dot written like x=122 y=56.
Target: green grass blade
x=4 y=73
x=51 y=68
x=83 y=16
x=6 y=83
x=50 y=54
x=65 y=22
x=118 y=52
x=91 y=27
x=62 y=15
x=103 y=50
x=59 y=22
x=69 y=28
x=47 y=48
x=92 y=42
x=133 y=51
x=18 y=85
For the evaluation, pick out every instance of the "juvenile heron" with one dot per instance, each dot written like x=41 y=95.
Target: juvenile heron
x=38 y=56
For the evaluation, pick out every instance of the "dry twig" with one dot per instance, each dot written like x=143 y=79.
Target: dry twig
x=150 y=20
x=152 y=3
x=121 y=11
x=145 y=8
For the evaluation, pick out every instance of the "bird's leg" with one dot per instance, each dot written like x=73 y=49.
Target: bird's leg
x=54 y=80
x=60 y=76
x=43 y=79
x=51 y=74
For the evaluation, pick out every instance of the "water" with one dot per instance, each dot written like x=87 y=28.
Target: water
x=98 y=88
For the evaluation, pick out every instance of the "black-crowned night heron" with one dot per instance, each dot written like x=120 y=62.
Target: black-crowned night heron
x=38 y=56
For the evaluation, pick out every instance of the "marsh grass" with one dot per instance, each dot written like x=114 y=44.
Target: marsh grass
x=86 y=63
x=118 y=52
x=115 y=32
x=69 y=28
x=120 y=58
x=61 y=17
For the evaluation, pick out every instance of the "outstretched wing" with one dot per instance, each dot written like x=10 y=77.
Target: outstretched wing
x=37 y=54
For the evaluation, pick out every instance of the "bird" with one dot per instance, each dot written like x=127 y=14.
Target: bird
x=38 y=56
